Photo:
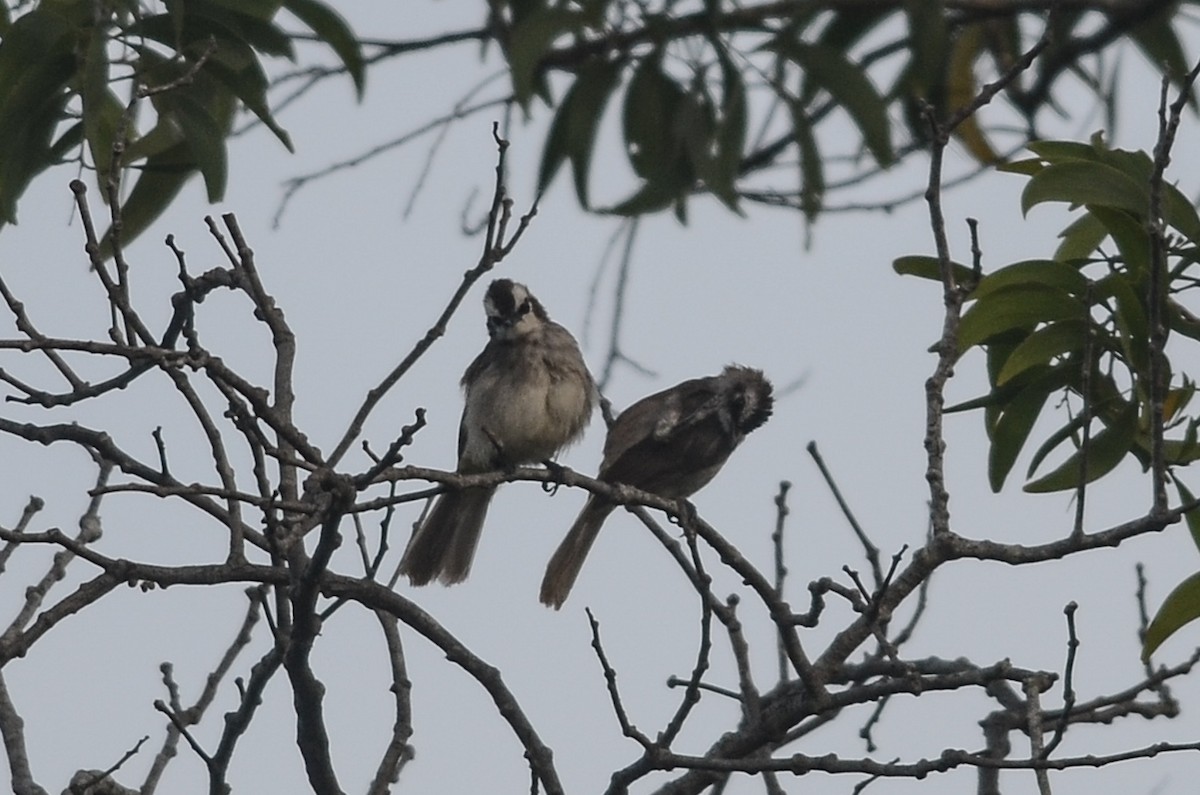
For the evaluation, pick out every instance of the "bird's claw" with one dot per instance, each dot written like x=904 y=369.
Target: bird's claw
x=556 y=477
x=685 y=515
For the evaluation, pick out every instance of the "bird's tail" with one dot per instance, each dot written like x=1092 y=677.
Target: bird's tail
x=564 y=566
x=444 y=545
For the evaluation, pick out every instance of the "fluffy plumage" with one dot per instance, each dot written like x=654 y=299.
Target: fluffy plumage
x=528 y=395
x=671 y=443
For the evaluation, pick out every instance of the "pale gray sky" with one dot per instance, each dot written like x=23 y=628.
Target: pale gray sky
x=359 y=284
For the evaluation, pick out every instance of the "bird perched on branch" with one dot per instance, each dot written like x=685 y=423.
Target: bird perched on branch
x=671 y=443
x=528 y=395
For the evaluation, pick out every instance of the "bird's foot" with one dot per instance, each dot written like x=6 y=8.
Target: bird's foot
x=685 y=516
x=556 y=476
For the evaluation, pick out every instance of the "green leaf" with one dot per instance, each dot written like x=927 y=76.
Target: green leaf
x=162 y=176
x=102 y=110
x=647 y=119
x=722 y=174
x=1011 y=430
x=649 y=198
x=1080 y=183
x=812 y=174
x=230 y=22
x=1157 y=40
x=695 y=124
x=176 y=11
x=1192 y=517
x=1080 y=238
x=669 y=134
x=1018 y=306
x=849 y=26
x=1131 y=318
x=160 y=138
x=849 y=86
x=1064 y=151
x=1181 y=452
x=1103 y=452
x=929 y=34
x=35 y=40
x=32 y=103
x=1027 y=167
x=1181 y=607
x=573 y=132
x=66 y=143
x=332 y=29
x=1182 y=321
x=1056 y=339
x=1053 y=441
x=206 y=139
x=1034 y=273
x=248 y=82
x=1180 y=213
x=258 y=9
x=1130 y=235
x=530 y=41
x=928 y=268
x=234 y=64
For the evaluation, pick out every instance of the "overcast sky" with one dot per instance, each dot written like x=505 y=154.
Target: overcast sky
x=360 y=283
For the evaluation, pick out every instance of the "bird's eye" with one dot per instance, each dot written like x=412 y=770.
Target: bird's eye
x=524 y=308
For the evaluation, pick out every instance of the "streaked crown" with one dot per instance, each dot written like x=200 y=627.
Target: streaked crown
x=747 y=392
x=511 y=309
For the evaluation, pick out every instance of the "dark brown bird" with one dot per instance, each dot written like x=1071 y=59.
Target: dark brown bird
x=671 y=443
x=528 y=395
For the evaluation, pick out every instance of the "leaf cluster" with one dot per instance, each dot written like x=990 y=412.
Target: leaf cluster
x=1077 y=325
x=685 y=81
x=72 y=74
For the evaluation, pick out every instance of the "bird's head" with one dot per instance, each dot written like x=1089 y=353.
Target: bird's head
x=512 y=311
x=747 y=394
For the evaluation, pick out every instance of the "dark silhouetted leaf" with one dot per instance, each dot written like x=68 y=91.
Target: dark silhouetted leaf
x=1132 y=322
x=1157 y=40
x=928 y=268
x=1130 y=235
x=1033 y=272
x=961 y=88
x=1010 y=431
x=530 y=41
x=1192 y=517
x=651 y=102
x=849 y=86
x=1080 y=183
x=161 y=178
x=573 y=132
x=332 y=29
x=721 y=176
x=1019 y=306
x=1105 y=450
x=1080 y=239
x=36 y=65
x=205 y=138
x=1181 y=607
x=1041 y=346
x=650 y=198
x=102 y=111
x=812 y=175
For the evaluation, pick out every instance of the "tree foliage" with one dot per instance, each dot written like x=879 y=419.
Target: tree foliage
x=73 y=74
x=683 y=76
x=708 y=98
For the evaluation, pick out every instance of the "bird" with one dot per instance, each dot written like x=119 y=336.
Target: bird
x=671 y=443
x=528 y=395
